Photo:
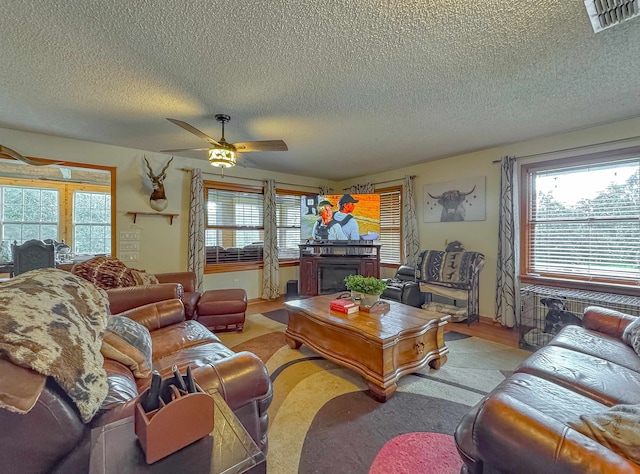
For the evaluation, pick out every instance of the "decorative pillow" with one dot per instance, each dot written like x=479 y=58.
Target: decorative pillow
x=105 y=272
x=128 y=342
x=616 y=428
x=631 y=335
x=144 y=278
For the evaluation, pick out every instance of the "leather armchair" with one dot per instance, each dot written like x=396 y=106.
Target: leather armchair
x=404 y=288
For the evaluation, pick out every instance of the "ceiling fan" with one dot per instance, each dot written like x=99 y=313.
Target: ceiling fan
x=221 y=153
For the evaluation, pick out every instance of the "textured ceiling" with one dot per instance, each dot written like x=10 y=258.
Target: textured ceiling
x=353 y=87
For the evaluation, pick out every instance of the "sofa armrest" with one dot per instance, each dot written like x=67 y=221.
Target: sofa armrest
x=543 y=444
x=186 y=279
x=222 y=375
x=123 y=299
x=606 y=321
x=157 y=315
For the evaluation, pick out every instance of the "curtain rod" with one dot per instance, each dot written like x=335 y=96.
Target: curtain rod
x=575 y=148
x=383 y=182
x=254 y=179
x=392 y=180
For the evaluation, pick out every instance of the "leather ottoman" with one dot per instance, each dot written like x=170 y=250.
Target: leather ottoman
x=222 y=310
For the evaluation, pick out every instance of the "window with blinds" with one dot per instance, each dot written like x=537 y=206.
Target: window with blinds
x=390 y=225
x=234 y=229
x=288 y=223
x=583 y=219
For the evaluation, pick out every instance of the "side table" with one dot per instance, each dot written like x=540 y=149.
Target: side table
x=229 y=449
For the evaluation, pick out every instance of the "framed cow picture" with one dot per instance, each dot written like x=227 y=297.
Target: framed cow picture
x=455 y=201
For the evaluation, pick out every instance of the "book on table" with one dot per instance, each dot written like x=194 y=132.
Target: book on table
x=344 y=306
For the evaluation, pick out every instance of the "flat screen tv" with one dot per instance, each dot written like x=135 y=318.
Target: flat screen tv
x=339 y=217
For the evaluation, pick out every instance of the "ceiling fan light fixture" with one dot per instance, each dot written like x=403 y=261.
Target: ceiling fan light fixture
x=222 y=157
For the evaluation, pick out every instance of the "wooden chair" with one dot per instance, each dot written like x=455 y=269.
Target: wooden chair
x=31 y=255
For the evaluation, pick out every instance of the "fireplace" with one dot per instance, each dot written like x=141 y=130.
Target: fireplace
x=331 y=276
x=323 y=266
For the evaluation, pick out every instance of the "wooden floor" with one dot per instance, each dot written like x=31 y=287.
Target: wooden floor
x=485 y=329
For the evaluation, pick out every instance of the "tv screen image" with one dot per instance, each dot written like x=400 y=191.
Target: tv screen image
x=333 y=217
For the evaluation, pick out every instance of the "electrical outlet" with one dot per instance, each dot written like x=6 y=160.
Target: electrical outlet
x=129 y=246
x=129 y=235
x=129 y=256
x=236 y=283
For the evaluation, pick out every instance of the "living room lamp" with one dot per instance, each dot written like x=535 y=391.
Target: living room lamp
x=222 y=157
x=224 y=154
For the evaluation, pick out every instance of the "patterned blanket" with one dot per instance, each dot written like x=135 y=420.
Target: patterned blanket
x=454 y=269
x=52 y=322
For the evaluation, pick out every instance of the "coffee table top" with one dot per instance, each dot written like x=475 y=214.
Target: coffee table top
x=379 y=325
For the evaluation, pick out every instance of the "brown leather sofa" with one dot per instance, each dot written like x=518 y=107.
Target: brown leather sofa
x=51 y=436
x=524 y=424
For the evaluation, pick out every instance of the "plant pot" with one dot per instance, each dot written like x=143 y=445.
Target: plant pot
x=364 y=299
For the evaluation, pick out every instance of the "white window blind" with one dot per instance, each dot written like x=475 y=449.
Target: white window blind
x=390 y=226
x=234 y=226
x=584 y=221
x=288 y=223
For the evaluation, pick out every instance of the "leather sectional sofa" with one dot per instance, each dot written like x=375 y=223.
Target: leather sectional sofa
x=531 y=422
x=51 y=436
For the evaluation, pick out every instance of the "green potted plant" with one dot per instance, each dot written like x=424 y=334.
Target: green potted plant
x=365 y=290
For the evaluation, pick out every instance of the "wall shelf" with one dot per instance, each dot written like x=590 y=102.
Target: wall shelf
x=135 y=215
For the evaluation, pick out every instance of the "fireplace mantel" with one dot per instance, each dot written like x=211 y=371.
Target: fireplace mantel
x=323 y=266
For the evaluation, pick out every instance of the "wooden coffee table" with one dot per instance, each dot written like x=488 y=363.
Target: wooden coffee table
x=382 y=347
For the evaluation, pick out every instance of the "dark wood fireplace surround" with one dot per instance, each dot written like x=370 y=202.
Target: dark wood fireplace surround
x=323 y=266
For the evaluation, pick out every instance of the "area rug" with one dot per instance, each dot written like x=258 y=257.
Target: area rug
x=323 y=420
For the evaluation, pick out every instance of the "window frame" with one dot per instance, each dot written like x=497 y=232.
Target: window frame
x=526 y=275
x=66 y=190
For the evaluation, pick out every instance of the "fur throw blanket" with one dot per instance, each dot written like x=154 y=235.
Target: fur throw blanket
x=52 y=322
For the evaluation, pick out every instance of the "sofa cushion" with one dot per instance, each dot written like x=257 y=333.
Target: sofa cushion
x=177 y=337
x=599 y=345
x=616 y=428
x=585 y=374
x=196 y=356
x=128 y=342
x=631 y=335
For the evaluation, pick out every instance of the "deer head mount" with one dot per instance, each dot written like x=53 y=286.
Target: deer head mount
x=158 y=199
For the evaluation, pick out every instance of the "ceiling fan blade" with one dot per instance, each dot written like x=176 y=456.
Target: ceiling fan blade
x=264 y=145
x=17 y=156
x=245 y=162
x=184 y=149
x=194 y=130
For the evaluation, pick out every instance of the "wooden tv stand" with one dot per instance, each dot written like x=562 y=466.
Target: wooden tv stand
x=348 y=258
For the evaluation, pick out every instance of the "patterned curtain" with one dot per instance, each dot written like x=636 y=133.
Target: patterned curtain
x=507 y=308
x=410 y=223
x=196 y=256
x=271 y=272
x=366 y=188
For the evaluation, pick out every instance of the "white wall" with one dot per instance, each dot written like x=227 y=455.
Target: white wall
x=164 y=247
x=482 y=235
